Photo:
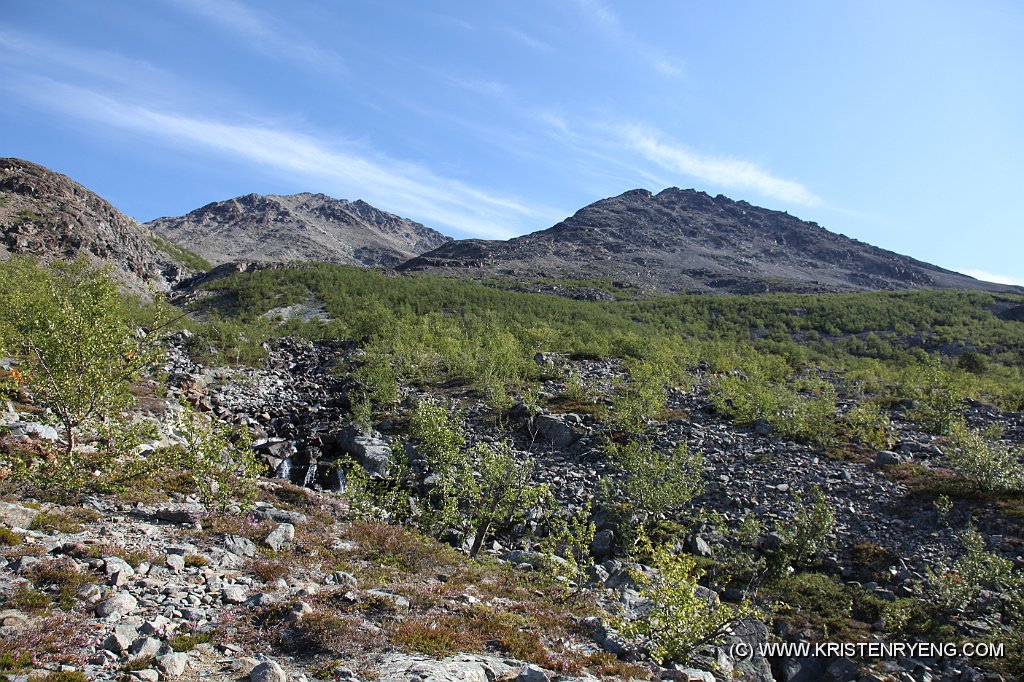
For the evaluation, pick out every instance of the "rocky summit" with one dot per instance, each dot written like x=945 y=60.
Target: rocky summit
x=299 y=227
x=685 y=240
x=49 y=216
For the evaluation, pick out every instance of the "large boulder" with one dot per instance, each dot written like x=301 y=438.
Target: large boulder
x=368 y=449
x=555 y=429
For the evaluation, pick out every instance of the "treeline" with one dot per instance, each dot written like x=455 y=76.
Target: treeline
x=874 y=336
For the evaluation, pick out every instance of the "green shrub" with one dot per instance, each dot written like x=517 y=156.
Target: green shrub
x=957 y=586
x=682 y=619
x=984 y=464
x=219 y=459
x=76 y=339
x=808 y=534
x=657 y=481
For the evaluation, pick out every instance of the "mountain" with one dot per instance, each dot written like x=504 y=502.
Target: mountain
x=48 y=215
x=685 y=240
x=307 y=227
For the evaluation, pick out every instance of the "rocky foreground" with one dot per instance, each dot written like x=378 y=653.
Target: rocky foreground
x=158 y=586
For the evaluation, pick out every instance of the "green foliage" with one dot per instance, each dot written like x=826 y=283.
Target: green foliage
x=957 y=586
x=809 y=414
x=567 y=544
x=984 y=464
x=76 y=339
x=870 y=426
x=219 y=459
x=477 y=489
x=657 y=481
x=807 y=535
x=189 y=259
x=683 y=617
x=938 y=394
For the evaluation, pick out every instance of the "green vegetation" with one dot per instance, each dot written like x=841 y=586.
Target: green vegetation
x=190 y=260
x=219 y=460
x=70 y=329
x=684 y=615
x=478 y=489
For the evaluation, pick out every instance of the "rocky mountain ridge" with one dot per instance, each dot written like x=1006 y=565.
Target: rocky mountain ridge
x=50 y=216
x=298 y=227
x=685 y=240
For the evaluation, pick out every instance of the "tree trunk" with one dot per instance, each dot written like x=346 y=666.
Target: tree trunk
x=69 y=431
x=478 y=541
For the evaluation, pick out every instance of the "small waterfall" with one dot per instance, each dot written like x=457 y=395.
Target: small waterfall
x=284 y=469
x=310 y=477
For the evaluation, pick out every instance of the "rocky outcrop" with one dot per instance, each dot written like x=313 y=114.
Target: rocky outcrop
x=685 y=240
x=49 y=216
x=298 y=227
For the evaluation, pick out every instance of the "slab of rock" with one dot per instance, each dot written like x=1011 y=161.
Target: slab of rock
x=268 y=671
x=121 y=603
x=280 y=536
x=236 y=544
x=554 y=429
x=173 y=664
x=368 y=449
x=16 y=516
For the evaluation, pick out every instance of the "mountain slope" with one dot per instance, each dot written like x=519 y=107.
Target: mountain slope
x=48 y=215
x=307 y=227
x=679 y=240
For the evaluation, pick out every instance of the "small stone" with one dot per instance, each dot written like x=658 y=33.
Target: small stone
x=268 y=671
x=122 y=637
x=121 y=603
x=144 y=647
x=175 y=562
x=280 y=536
x=233 y=594
x=148 y=675
x=236 y=544
x=173 y=664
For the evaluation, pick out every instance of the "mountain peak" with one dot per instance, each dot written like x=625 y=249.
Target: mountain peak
x=304 y=226
x=50 y=216
x=686 y=240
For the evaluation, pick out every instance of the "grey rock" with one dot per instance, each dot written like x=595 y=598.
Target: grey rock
x=268 y=671
x=16 y=516
x=147 y=675
x=143 y=647
x=885 y=457
x=369 y=450
x=554 y=429
x=233 y=594
x=121 y=603
x=122 y=637
x=34 y=430
x=280 y=536
x=175 y=562
x=173 y=664
x=239 y=545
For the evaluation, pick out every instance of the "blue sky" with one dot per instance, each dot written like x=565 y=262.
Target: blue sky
x=900 y=123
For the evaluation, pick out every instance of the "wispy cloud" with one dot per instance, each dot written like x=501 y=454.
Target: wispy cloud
x=262 y=33
x=654 y=146
x=481 y=86
x=610 y=23
x=529 y=40
x=992 y=277
x=406 y=188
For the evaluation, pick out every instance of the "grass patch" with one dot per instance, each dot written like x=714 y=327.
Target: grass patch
x=9 y=538
x=60 y=578
x=187 y=641
x=400 y=548
x=189 y=259
x=64 y=521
